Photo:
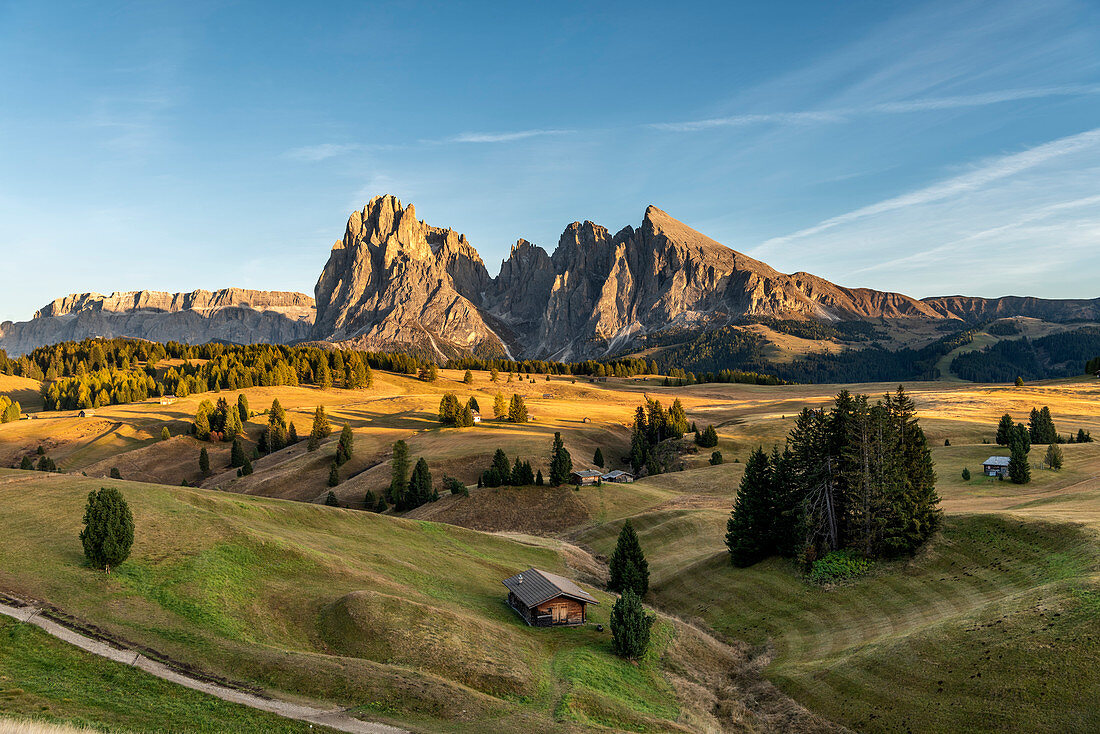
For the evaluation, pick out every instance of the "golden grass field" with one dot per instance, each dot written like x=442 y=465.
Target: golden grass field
x=1010 y=589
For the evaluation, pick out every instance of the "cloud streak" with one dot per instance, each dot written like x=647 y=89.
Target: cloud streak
x=928 y=104
x=504 y=137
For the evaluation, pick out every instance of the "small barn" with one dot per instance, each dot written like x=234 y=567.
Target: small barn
x=86 y=413
x=544 y=599
x=619 y=476
x=996 y=466
x=477 y=416
x=585 y=477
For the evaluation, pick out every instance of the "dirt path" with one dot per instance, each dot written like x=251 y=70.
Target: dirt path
x=334 y=718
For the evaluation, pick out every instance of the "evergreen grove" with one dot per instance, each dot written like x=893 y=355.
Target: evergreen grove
x=857 y=476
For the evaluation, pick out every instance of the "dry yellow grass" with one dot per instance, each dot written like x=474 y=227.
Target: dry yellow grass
x=12 y=726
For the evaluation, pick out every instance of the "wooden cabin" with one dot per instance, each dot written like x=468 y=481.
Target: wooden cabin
x=585 y=477
x=618 y=476
x=86 y=413
x=544 y=599
x=996 y=466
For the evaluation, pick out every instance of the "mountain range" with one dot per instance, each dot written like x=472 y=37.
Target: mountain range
x=396 y=283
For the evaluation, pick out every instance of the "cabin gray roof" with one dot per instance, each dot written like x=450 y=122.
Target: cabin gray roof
x=533 y=587
x=587 y=473
x=616 y=473
x=997 y=461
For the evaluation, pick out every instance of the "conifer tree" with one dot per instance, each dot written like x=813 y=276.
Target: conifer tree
x=630 y=627
x=292 y=434
x=233 y=425
x=108 y=532
x=468 y=378
x=237 y=456
x=420 y=487
x=115 y=473
x=966 y=475
x=242 y=408
x=202 y=425
x=715 y=458
x=321 y=428
x=628 y=567
x=749 y=536
x=165 y=434
x=1054 y=457
x=597 y=458
x=561 y=463
x=1019 y=470
x=330 y=498
x=500 y=407
x=26 y=463
x=539 y=481
x=517 y=410
x=333 y=474
x=1005 y=429
x=494 y=375
x=399 y=474
x=204 y=461
x=465 y=417
x=345 y=446
x=246 y=467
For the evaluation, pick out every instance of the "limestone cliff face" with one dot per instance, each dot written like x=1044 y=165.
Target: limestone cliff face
x=232 y=315
x=395 y=283
x=981 y=309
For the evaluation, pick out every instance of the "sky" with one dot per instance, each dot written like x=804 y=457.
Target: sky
x=931 y=148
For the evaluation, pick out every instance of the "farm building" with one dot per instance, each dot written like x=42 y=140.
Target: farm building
x=477 y=417
x=618 y=475
x=996 y=466
x=544 y=599
x=86 y=413
x=585 y=476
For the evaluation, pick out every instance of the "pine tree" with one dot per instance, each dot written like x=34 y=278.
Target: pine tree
x=204 y=461
x=597 y=458
x=1019 y=470
x=517 y=410
x=749 y=537
x=345 y=447
x=237 y=456
x=320 y=430
x=1047 y=432
x=630 y=627
x=330 y=498
x=1054 y=457
x=561 y=463
x=333 y=475
x=108 y=532
x=381 y=505
x=628 y=566
x=500 y=407
x=246 y=467
x=539 y=481
x=468 y=378
x=420 y=487
x=292 y=437
x=27 y=463
x=399 y=474
x=966 y=475
x=115 y=473
x=202 y=425
x=494 y=375
x=716 y=458
x=242 y=408
x=1005 y=429
x=165 y=434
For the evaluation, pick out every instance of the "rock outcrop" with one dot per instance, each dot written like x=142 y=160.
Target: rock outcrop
x=231 y=315
x=395 y=283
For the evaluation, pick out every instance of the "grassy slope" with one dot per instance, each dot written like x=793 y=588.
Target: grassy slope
x=248 y=588
x=51 y=680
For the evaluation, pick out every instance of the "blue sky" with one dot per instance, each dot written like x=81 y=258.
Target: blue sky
x=929 y=148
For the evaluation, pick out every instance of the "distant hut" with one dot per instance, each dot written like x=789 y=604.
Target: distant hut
x=86 y=413
x=477 y=416
x=996 y=466
x=585 y=477
x=618 y=476
x=544 y=599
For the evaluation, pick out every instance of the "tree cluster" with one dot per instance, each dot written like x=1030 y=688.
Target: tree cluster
x=454 y=413
x=405 y=492
x=859 y=476
x=653 y=426
x=501 y=473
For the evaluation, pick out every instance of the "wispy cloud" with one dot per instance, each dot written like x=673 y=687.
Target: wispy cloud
x=930 y=104
x=504 y=137
x=983 y=175
x=324 y=151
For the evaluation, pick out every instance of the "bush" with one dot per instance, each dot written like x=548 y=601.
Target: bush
x=455 y=487
x=716 y=458
x=837 y=566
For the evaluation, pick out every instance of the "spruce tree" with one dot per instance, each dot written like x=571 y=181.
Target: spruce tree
x=630 y=627
x=204 y=461
x=966 y=475
x=500 y=407
x=716 y=458
x=333 y=475
x=116 y=474
x=108 y=532
x=1047 y=432
x=330 y=498
x=420 y=487
x=628 y=566
x=1054 y=457
x=237 y=456
x=381 y=505
x=749 y=537
x=292 y=436
x=468 y=378
x=1019 y=471
x=26 y=463
x=165 y=434
x=242 y=408
x=1005 y=429
x=399 y=474
x=517 y=410
x=597 y=458
x=561 y=463
x=345 y=447
x=539 y=481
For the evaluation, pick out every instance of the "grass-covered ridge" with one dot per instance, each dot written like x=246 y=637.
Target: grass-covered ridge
x=335 y=605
